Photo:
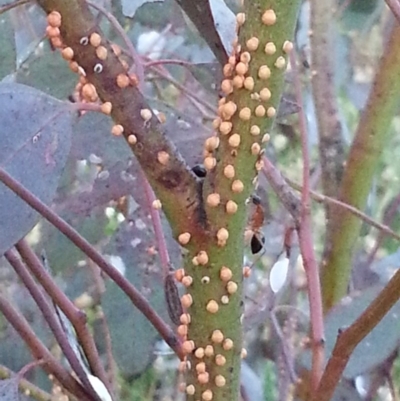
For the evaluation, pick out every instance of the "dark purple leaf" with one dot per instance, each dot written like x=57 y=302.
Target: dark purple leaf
x=35 y=140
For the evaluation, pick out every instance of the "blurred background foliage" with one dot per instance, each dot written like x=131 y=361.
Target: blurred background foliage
x=101 y=195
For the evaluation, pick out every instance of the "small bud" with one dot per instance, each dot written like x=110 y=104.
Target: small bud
x=260 y=111
x=200 y=367
x=190 y=389
x=185 y=318
x=203 y=378
x=212 y=306
x=54 y=19
x=213 y=200
x=231 y=287
x=117 y=130
x=199 y=353
x=225 y=274
x=249 y=83
x=255 y=149
x=243 y=353
x=238 y=81
x=287 y=46
x=264 y=72
x=182 y=330
x=259 y=165
x=255 y=130
x=245 y=57
x=163 y=158
x=241 y=68
x=226 y=86
x=209 y=350
x=187 y=281
x=280 y=63
x=240 y=18
x=67 y=53
x=186 y=300
x=52 y=32
x=184 y=238
x=222 y=236
x=229 y=171
x=207 y=395
x=265 y=94
x=188 y=346
x=116 y=49
x=270 y=48
x=156 y=204
x=227 y=344
x=231 y=207
x=269 y=17
x=122 y=80
x=202 y=258
x=179 y=274
x=220 y=360
x=246 y=271
x=252 y=44
x=266 y=138
x=95 y=39
x=101 y=52
x=106 y=108
x=271 y=112
x=211 y=143
x=225 y=128
x=225 y=300
x=217 y=336
x=245 y=114
x=220 y=381
x=237 y=186
x=209 y=162
x=234 y=140
x=227 y=70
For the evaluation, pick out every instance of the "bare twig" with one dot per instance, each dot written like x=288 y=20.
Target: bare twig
x=306 y=245
x=134 y=295
x=50 y=317
x=39 y=351
x=13 y=4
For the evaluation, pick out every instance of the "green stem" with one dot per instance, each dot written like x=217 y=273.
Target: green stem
x=369 y=141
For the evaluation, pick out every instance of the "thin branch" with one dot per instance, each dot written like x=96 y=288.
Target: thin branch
x=75 y=316
x=10 y=6
x=306 y=245
x=394 y=6
x=39 y=351
x=349 y=338
x=133 y=294
x=25 y=386
x=50 y=317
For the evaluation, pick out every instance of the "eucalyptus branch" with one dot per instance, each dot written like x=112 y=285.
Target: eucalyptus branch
x=133 y=294
x=75 y=316
x=39 y=351
x=50 y=317
x=171 y=179
x=349 y=338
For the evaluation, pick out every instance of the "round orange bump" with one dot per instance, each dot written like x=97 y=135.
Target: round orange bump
x=227 y=344
x=287 y=46
x=95 y=39
x=237 y=186
x=54 y=19
x=280 y=62
x=67 y=53
x=231 y=207
x=227 y=70
x=225 y=128
x=234 y=140
x=252 y=44
x=243 y=353
x=212 y=306
x=202 y=258
x=190 y=389
x=240 y=18
x=249 y=83
x=220 y=360
x=74 y=66
x=241 y=68
x=265 y=94
x=106 y=108
x=269 y=17
x=217 y=336
x=146 y=114
x=187 y=281
x=200 y=367
x=101 y=52
x=57 y=42
x=271 y=112
x=213 y=200
x=245 y=114
x=182 y=330
x=227 y=86
x=211 y=143
x=184 y=238
x=207 y=395
x=163 y=158
x=264 y=72
x=270 y=48
x=156 y=204
x=186 y=300
x=238 y=81
x=246 y=271
x=228 y=110
x=199 y=353
x=161 y=116
x=225 y=300
x=122 y=80
x=179 y=274
x=205 y=280
x=260 y=111
x=255 y=130
x=209 y=162
x=231 y=287
x=266 y=138
x=117 y=130
x=245 y=57
x=220 y=381
x=209 y=350
x=188 y=346
x=203 y=378
x=185 y=318
x=225 y=274
x=116 y=49
x=222 y=236
x=255 y=149
x=259 y=165
x=182 y=366
x=229 y=171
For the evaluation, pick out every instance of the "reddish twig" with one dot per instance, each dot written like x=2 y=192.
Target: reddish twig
x=74 y=315
x=133 y=294
x=306 y=245
x=51 y=319
x=39 y=351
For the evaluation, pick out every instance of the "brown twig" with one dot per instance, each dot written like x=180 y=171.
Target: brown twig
x=349 y=338
x=10 y=6
x=306 y=245
x=75 y=316
x=133 y=294
x=39 y=351
x=50 y=317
